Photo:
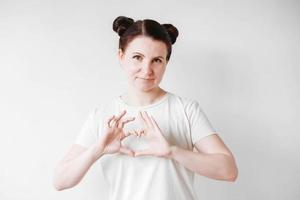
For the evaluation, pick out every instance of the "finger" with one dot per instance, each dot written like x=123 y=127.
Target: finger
x=122 y=124
x=120 y=116
x=136 y=133
x=109 y=120
x=146 y=121
x=129 y=133
x=113 y=122
x=142 y=119
x=124 y=135
x=144 y=152
x=129 y=120
x=127 y=151
x=141 y=132
x=147 y=118
x=155 y=123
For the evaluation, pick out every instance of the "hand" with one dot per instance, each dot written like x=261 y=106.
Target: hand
x=114 y=134
x=158 y=145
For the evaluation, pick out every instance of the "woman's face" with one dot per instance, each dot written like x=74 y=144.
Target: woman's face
x=144 y=61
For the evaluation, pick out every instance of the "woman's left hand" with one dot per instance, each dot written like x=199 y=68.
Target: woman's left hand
x=158 y=145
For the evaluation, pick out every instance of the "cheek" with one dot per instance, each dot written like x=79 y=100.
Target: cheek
x=131 y=68
x=160 y=72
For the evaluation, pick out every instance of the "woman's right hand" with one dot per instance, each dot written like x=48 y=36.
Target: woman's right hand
x=113 y=134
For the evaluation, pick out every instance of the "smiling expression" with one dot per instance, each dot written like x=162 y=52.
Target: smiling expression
x=144 y=62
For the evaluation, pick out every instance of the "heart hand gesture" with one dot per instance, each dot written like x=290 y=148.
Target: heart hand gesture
x=114 y=134
x=158 y=145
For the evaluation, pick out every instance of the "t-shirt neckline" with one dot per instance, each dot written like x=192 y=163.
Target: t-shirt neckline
x=164 y=98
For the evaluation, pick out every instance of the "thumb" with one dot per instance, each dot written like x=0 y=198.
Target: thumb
x=144 y=152
x=127 y=151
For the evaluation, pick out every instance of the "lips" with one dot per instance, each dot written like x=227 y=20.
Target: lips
x=148 y=79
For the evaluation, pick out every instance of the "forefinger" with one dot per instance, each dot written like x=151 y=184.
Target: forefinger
x=142 y=119
x=120 y=116
x=147 y=119
x=126 y=121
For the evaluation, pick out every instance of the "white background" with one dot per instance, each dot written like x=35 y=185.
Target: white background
x=239 y=59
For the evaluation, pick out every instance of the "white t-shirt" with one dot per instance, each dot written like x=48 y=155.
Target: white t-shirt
x=182 y=123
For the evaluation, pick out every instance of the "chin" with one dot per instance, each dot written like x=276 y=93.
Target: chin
x=146 y=88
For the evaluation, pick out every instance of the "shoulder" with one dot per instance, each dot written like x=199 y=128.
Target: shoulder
x=189 y=106
x=188 y=103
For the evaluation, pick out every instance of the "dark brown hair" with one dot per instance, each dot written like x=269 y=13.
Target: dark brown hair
x=128 y=29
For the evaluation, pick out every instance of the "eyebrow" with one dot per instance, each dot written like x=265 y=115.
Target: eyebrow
x=143 y=55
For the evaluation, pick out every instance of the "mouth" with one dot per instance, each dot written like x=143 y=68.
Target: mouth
x=147 y=79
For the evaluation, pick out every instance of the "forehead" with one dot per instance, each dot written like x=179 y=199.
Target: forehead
x=147 y=46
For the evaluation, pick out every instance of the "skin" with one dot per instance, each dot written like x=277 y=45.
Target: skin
x=145 y=70
x=144 y=62
x=145 y=58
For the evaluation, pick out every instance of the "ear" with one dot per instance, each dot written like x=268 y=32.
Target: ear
x=120 y=55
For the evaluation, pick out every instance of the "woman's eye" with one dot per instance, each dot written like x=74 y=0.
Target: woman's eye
x=137 y=57
x=158 y=60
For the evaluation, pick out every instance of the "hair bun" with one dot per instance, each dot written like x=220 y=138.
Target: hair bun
x=172 y=31
x=121 y=24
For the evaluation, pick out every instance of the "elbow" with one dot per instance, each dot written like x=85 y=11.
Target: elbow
x=61 y=183
x=57 y=185
x=58 y=181
x=232 y=175
x=232 y=178
x=58 y=188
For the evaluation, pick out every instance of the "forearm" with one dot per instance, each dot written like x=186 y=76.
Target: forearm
x=216 y=166
x=69 y=173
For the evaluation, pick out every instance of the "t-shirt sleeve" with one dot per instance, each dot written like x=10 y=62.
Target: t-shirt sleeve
x=200 y=126
x=88 y=133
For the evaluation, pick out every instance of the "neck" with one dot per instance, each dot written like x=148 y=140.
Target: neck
x=143 y=98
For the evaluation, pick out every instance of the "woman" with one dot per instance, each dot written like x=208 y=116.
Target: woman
x=144 y=139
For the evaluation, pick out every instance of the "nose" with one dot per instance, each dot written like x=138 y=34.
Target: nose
x=147 y=69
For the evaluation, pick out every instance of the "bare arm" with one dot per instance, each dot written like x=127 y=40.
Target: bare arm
x=72 y=168
x=213 y=159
